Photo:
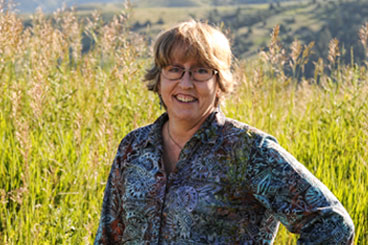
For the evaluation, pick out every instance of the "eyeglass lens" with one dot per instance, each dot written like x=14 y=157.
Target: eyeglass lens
x=197 y=73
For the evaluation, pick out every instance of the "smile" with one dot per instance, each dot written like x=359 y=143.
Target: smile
x=185 y=98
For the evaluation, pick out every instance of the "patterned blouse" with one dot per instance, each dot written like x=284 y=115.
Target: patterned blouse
x=233 y=184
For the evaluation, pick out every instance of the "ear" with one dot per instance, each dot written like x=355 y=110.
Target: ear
x=218 y=91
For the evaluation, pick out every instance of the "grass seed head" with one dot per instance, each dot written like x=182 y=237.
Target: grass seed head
x=296 y=49
x=333 y=50
x=363 y=35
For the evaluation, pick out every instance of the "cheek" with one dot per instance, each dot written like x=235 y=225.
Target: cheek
x=162 y=87
x=212 y=89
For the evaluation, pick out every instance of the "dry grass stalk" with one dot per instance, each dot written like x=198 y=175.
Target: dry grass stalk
x=296 y=49
x=258 y=77
x=16 y=96
x=72 y=32
x=276 y=55
x=363 y=35
x=319 y=68
x=308 y=50
x=3 y=197
x=22 y=135
x=38 y=94
x=46 y=43
x=299 y=57
x=11 y=28
x=333 y=51
x=93 y=25
x=17 y=195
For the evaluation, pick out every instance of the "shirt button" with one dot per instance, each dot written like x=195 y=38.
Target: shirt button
x=164 y=214
x=166 y=236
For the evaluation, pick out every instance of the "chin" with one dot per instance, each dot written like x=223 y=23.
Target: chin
x=186 y=116
x=190 y=116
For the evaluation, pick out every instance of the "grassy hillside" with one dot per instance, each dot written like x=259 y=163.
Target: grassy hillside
x=30 y=6
x=63 y=113
x=249 y=25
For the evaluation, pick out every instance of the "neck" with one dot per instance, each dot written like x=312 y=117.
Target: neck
x=172 y=138
x=181 y=131
x=178 y=133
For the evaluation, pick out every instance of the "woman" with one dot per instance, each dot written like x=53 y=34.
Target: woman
x=197 y=177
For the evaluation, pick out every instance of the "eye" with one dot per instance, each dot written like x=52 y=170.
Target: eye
x=203 y=71
x=174 y=69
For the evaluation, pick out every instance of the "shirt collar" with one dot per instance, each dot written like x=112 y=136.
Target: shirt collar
x=209 y=130
x=207 y=133
x=155 y=135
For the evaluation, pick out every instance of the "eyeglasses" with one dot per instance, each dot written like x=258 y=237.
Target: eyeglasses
x=199 y=74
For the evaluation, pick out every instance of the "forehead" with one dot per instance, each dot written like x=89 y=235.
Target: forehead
x=182 y=53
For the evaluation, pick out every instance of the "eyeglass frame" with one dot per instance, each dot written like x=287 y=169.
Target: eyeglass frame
x=214 y=72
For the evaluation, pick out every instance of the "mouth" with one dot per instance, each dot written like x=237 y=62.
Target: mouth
x=185 y=98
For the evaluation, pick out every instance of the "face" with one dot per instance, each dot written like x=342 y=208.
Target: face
x=186 y=99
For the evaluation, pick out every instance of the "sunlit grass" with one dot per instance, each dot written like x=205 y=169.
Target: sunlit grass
x=63 y=114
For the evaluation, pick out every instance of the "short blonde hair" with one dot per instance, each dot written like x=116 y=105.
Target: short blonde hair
x=198 y=39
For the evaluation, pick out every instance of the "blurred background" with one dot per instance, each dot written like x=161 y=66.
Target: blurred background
x=71 y=88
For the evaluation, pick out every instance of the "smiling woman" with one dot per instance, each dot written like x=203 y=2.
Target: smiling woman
x=195 y=176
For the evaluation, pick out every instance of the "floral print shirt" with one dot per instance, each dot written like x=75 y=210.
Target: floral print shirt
x=233 y=184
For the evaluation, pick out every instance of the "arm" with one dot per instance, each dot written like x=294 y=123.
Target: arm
x=111 y=227
x=297 y=198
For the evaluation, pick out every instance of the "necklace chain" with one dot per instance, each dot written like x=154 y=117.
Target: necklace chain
x=172 y=139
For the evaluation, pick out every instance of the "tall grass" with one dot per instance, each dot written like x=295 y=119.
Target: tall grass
x=64 y=111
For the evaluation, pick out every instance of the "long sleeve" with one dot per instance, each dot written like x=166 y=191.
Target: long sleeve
x=111 y=227
x=297 y=198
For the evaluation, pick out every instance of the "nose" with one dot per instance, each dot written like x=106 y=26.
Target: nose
x=186 y=81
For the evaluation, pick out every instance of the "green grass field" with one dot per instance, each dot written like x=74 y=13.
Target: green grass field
x=63 y=114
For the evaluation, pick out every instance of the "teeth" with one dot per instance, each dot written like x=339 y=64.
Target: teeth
x=183 y=98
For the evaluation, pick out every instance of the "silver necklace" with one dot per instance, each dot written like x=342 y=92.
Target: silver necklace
x=172 y=139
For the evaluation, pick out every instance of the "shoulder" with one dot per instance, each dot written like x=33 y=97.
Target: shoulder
x=149 y=133
x=260 y=147
x=242 y=133
x=139 y=134
x=134 y=140
x=137 y=137
x=130 y=145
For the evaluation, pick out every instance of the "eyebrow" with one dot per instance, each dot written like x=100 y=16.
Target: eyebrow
x=193 y=66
